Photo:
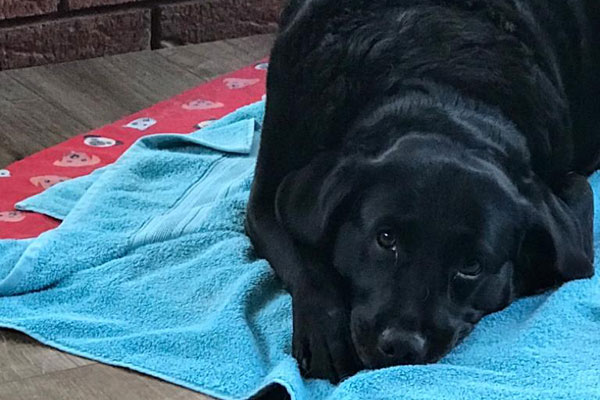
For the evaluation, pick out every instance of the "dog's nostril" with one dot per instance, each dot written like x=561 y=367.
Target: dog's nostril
x=402 y=347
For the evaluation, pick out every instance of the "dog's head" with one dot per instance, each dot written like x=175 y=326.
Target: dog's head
x=430 y=238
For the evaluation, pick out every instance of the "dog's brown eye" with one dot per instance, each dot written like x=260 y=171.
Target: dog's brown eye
x=471 y=268
x=386 y=239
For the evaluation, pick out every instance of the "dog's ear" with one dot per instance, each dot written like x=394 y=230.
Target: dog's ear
x=558 y=244
x=307 y=199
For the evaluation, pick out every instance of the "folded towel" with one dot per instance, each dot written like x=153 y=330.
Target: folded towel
x=151 y=270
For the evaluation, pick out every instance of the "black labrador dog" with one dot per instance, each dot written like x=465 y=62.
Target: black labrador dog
x=423 y=164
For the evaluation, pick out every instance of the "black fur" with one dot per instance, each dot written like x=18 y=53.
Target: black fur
x=422 y=164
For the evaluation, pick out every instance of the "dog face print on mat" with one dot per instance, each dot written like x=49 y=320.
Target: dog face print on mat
x=100 y=141
x=4 y=173
x=204 y=124
x=141 y=124
x=239 y=83
x=77 y=159
x=11 y=216
x=47 y=181
x=202 y=104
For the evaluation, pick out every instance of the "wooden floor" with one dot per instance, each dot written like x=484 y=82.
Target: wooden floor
x=43 y=106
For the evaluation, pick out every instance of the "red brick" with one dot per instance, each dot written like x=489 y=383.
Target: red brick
x=78 y=4
x=26 y=8
x=74 y=38
x=208 y=20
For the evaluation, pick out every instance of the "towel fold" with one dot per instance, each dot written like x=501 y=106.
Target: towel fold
x=151 y=270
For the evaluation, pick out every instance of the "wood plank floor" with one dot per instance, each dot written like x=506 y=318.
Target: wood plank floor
x=43 y=106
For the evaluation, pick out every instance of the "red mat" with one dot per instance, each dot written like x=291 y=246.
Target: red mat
x=84 y=153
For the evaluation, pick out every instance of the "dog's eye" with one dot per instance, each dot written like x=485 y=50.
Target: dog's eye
x=386 y=239
x=471 y=269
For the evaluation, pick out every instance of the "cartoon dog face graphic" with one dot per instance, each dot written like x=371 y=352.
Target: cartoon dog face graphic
x=206 y=123
x=77 y=159
x=202 y=104
x=47 y=181
x=100 y=141
x=11 y=216
x=141 y=124
x=239 y=83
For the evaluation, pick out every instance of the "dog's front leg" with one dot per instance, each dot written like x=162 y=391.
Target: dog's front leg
x=322 y=342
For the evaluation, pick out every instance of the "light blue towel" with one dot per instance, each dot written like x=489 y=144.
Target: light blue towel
x=151 y=270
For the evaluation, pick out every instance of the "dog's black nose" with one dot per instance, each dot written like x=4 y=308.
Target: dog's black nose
x=402 y=347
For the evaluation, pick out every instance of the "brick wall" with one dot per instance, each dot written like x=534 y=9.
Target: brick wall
x=36 y=32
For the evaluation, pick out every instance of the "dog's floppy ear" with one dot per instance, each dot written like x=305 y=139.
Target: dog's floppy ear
x=308 y=198
x=558 y=244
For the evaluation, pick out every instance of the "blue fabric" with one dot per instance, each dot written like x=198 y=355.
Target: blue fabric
x=151 y=270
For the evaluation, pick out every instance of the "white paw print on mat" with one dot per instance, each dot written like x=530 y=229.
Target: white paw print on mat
x=4 y=173
x=141 y=124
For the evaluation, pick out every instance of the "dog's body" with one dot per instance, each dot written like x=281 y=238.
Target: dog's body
x=453 y=110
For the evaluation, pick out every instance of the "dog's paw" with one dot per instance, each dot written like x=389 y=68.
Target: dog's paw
x=321 y=341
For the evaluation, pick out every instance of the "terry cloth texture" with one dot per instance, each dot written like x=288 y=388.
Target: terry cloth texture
x=151 y=270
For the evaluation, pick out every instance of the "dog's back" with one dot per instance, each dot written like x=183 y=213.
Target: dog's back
x=535 y=60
